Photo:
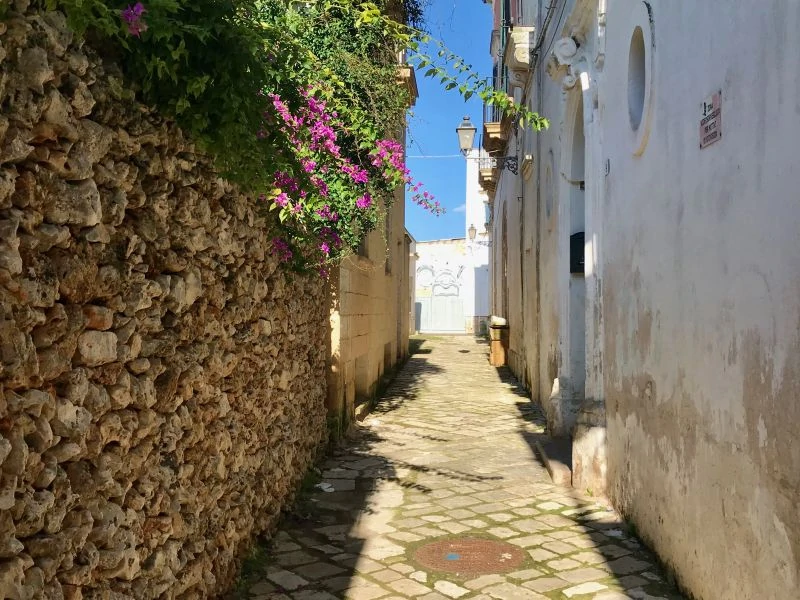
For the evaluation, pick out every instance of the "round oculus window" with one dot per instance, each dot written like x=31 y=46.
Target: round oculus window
x=637 y=77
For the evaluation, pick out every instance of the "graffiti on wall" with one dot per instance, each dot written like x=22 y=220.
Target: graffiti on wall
x=442 y=281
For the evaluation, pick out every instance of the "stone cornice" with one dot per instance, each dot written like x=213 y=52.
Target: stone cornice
x=494 y=44
x=407 y=77
x=518 y=48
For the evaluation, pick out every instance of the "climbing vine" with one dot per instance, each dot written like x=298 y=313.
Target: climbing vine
x=298 y=102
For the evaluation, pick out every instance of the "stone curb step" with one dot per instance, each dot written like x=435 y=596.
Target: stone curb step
x=556 y=453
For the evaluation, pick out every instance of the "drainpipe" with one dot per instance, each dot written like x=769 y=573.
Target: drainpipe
x=521 y=199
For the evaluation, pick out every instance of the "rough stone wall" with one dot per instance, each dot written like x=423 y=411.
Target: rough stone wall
x=162 y=382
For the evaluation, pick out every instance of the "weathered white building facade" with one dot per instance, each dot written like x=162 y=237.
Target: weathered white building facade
x=477 y=232
x=452 y=275
x=671 y=355
x=412 y=282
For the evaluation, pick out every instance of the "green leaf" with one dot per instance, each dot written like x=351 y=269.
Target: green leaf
x=182 y=105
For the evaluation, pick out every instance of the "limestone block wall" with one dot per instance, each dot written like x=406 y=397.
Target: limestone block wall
x=369 y=332
x=162 y=381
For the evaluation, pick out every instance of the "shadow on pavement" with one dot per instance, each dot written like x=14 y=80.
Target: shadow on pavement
x=325 y=535
x=410 y=381
x=446 y=472
x=612 y=543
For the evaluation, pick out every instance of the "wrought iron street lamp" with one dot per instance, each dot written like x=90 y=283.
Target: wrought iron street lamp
x=472 y=232
x=466 y=135
x=466 y=138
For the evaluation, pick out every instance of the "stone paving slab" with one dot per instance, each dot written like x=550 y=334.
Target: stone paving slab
x=448 y=453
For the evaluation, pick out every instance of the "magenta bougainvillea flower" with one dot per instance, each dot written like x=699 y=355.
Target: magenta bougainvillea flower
x=132 y=15
x=364 y=201
x=326 y=213
x=356 y=173
x=281 y=199
x=281 y=249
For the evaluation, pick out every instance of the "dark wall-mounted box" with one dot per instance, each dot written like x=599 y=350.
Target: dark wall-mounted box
x=576 y=253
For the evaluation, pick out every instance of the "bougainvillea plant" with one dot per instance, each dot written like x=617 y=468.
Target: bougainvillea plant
x=297 y=102
x=320 y=204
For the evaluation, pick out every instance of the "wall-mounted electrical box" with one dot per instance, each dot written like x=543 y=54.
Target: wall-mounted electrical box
x=576 y=253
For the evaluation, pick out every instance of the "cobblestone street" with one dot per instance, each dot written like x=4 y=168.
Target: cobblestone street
x=441 y=495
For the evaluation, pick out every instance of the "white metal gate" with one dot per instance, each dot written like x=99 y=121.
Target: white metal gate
x=441 y=315
x=440 y=307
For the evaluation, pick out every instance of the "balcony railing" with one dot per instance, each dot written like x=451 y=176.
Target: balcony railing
x=487 y=170
x=492 y=113
x=494 y=138
x=484 y=160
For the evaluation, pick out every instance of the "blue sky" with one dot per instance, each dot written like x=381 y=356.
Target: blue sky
x=465 y=28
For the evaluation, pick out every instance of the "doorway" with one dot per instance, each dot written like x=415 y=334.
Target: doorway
x=577 y=280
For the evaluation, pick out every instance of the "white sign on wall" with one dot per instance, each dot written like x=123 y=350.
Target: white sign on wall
x=711 y=120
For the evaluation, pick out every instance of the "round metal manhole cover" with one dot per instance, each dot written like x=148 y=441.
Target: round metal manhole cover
x=469 y=556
